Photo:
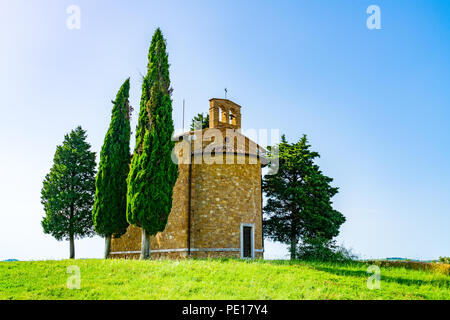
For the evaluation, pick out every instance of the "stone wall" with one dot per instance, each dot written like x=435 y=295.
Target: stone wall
x=175 y=234
x=222 y=197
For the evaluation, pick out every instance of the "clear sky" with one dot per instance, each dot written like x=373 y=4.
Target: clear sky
x=374 y=103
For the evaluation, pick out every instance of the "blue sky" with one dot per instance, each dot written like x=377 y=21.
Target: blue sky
x=374 y=103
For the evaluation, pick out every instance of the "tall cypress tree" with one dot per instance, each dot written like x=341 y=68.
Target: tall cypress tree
x=152 y=173
x=109 y=213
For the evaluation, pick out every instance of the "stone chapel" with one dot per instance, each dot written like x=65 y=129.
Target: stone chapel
x=217 y=198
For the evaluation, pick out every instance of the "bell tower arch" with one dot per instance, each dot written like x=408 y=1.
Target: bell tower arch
x=224 y=113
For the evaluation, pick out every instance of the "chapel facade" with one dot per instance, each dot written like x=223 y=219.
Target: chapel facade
x=217 y=198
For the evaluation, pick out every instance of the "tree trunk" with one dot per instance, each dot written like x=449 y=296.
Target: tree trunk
x=293 y=242
x=107 y=246
x=145 y=246
x=71 y=236
x=293 y=248
x=72 y=247
x=293 y=237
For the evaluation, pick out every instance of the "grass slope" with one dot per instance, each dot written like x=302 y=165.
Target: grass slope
x=215 y=279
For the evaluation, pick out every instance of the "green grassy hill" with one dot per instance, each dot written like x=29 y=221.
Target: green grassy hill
x=215 y=279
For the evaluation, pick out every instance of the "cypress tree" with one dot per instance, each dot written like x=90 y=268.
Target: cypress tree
x=109 y=213
x=299 y=205
x=152 y=173
x=68 y=190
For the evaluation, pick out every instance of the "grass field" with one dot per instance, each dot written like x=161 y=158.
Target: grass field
x=215 y=279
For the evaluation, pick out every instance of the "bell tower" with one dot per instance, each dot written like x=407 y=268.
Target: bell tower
x=224 y=113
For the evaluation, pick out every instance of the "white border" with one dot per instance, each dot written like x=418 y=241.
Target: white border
x=252 y=225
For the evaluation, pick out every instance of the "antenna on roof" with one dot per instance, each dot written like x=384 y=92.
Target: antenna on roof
x=183 y=115
x=226 y=93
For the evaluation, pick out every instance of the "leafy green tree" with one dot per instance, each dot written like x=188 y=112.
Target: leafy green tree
x=153 y=174
x=299 y=206
x=110 y=206
x=444 y=260
x=201 y=119
x=68 y=190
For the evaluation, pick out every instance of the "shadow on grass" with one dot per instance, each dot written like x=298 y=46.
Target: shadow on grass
x=403 y=281
x=337 y=268
x=312 y=264
x=343 y=269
